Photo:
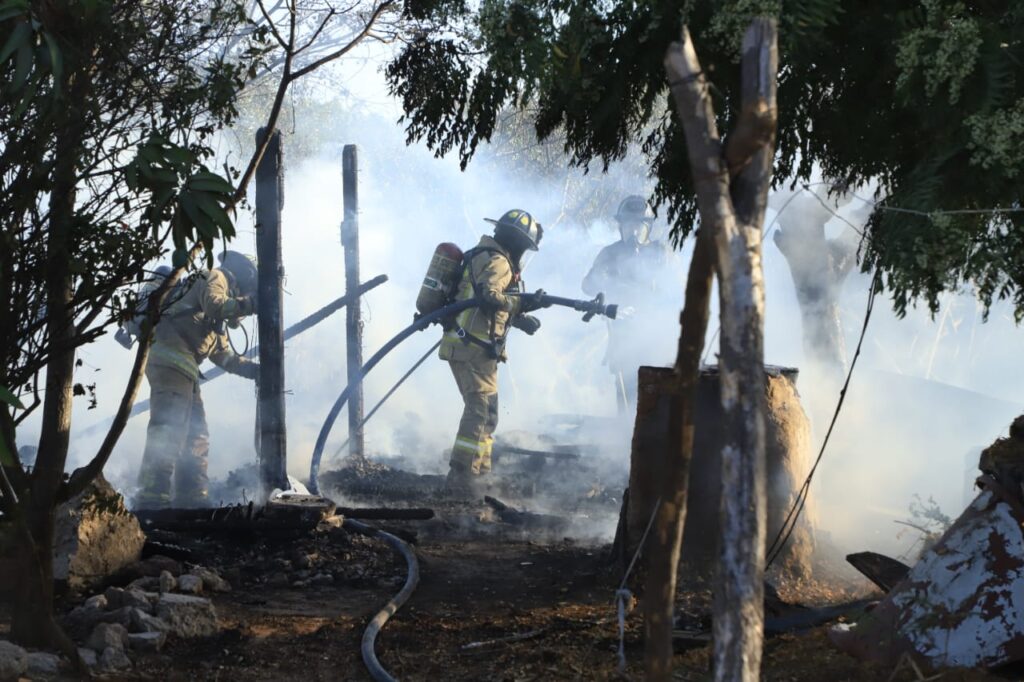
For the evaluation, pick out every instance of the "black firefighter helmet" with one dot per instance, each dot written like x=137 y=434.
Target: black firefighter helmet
x=517 y=231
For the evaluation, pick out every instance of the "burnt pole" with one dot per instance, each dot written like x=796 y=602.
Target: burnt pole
x=270 y=411
x=353 y=316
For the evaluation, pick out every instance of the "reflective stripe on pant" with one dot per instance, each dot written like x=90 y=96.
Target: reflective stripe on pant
x=477 y=380
x=177 y=442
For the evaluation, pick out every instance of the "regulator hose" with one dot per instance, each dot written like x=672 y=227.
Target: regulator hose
x=377 y=671
x=420 y=324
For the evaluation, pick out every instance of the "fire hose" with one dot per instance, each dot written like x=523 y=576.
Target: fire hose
x=377 y=671
x=590 y=308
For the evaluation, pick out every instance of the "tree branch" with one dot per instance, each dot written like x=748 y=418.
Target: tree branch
x=377 y=12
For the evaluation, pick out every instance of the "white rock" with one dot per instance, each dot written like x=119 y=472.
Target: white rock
x=145 y=622
x=212 y=580
x=147 y=641
x=190 y=584
x=97 y=601
x=106 y=636
x=167 y=582
x=88 y=656
x=43 y=664
x=136 y=599
x=114 y=658
x=13 y=661
x=187 y=616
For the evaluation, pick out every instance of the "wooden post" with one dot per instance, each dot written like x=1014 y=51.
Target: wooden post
x=270 y=410
x=731 y=182
x=353 y=317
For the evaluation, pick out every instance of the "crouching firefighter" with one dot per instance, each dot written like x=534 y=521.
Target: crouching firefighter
x=474 y=342
x=191 y=330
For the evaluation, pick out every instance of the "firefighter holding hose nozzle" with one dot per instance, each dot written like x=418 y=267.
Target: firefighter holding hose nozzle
x=474 y=342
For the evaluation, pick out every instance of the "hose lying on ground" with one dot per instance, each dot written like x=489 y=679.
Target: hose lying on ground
x=377 y=671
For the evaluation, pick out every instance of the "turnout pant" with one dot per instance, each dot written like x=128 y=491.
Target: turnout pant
x=478 y=383
x=177 y=443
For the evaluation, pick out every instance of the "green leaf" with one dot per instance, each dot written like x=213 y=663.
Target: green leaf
x=210 y=182
x=23 y=66
x=212 y=208
x=9 y=398
x=179 y=258
x=56 y=61
x=199 y=219
x=19 y=35
x=12 y=8
x=6 y=458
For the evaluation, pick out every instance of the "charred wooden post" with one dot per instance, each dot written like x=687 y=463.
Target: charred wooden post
x=353 y=317
x=271 y=409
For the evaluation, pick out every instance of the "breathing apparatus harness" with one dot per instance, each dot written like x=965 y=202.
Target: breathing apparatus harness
x=496 y=345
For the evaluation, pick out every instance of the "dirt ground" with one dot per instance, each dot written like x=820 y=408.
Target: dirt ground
x=558 y=597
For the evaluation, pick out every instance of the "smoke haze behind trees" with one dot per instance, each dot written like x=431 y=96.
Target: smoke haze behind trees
x=926 y=393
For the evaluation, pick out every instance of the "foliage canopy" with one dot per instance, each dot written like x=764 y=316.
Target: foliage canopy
x=923 y=97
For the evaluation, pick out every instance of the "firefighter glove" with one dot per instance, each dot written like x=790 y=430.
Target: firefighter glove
x=526 y=323
x=534 y=301
x=246 y=305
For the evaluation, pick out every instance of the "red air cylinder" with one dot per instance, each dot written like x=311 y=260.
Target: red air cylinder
x=441 y=279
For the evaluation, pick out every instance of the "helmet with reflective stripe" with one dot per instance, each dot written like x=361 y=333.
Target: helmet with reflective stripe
x=517 y=231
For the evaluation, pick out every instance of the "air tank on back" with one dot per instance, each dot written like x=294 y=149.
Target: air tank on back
x=441 y=279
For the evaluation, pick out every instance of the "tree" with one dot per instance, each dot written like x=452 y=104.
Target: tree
x=819 y=266
x=108 y=116
x=926 y=101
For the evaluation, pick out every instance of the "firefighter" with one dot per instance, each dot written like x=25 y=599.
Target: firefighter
x=634 y=271
x=190 y=331
x=474 y=343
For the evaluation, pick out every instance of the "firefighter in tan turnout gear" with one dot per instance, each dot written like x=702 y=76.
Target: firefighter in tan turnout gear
x=475 y=342
x=190 y=331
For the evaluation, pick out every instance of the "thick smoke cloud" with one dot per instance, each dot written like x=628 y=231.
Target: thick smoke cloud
x=926 y=393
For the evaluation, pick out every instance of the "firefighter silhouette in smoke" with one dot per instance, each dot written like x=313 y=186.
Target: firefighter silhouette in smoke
x=634 y=272
x=474 y=342
x=190 y=331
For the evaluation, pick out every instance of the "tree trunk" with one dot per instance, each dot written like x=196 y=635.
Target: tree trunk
x=32 y=620
x=733 y=210
x=667 y=538
x=819 y=267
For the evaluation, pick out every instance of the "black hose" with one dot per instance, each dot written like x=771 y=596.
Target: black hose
x=420 y=324
x=390 y=393
x=377 y=671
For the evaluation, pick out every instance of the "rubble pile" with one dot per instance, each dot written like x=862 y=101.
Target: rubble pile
x=362 y=478
x=165 y=600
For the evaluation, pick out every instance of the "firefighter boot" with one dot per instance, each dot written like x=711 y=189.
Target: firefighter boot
x=460 y=483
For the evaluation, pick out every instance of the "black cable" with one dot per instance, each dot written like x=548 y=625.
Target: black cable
x=389 y=394
x=789 y=524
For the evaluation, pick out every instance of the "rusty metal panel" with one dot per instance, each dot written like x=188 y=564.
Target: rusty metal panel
x=962 y=604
